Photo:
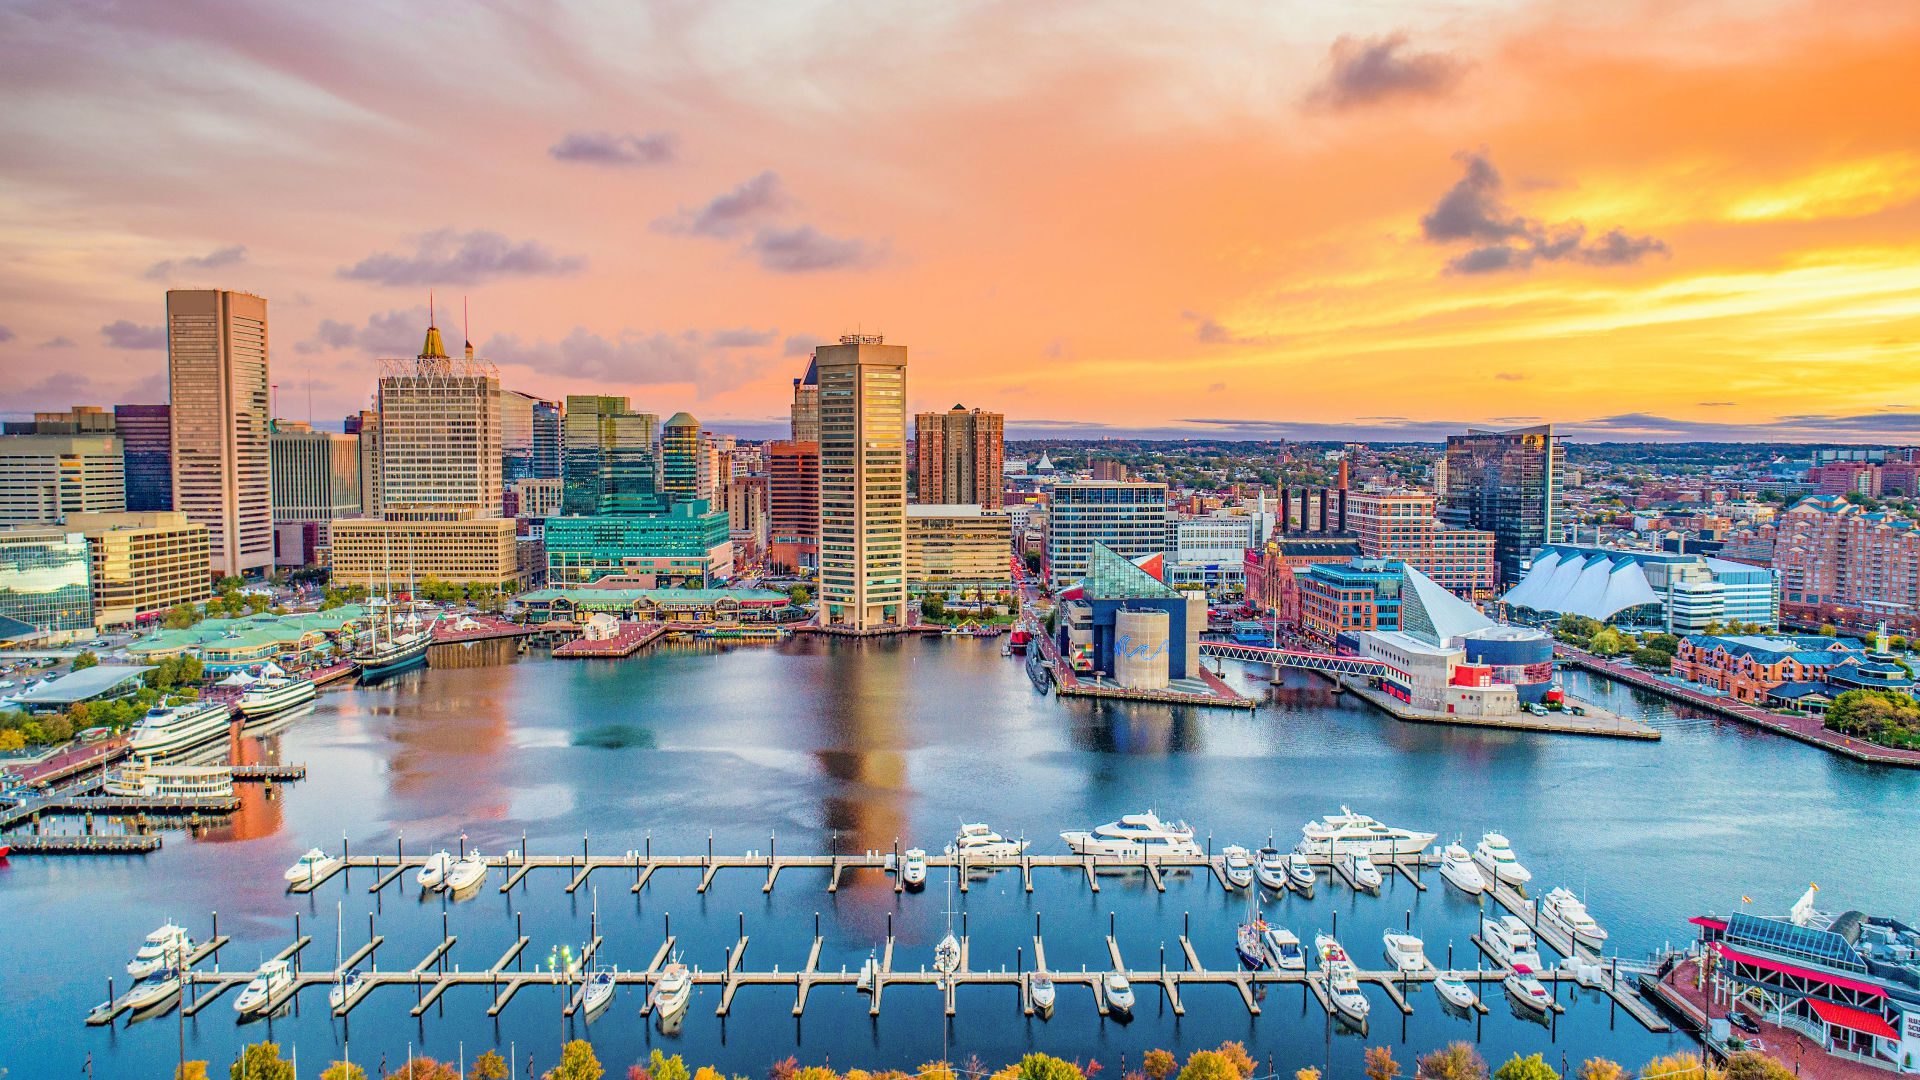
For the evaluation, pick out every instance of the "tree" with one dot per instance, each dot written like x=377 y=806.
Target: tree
x=1308 y=1073
x=11 y=740
x=1048 y=1067
x=1653 y=659
x=578 y=1063
x=1380 y=1063
x=1601 y=1069
x=346 y=1070
x=1157 y=1064
x=1455 y=1061
x=1608 y=642
x=662 y=1067
x=1237 y=1056
x=261 y=1061
x=193 y=1070
x=1754 y=1065
x=1888 y=717
x=490 y=1066
x=1829 y=630
x=1533 y=1067
x=85 y=660
x=1209 y=1065
x=426 y=1068
x=1677 y=1067
x=799 y=595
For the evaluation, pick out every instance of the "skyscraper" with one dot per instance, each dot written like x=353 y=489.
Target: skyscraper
x=680 y=458
x=1508 y=483
x=316 y=478
x=146 y=441
x=608 y=459
x=516 y=435
x=222 y=471
x=960 y=457
x=804 y=414
x=1128 y=518
x=863 y=482
x=793 y=505
x=546 y=440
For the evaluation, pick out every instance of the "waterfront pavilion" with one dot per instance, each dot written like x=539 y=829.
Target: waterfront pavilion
x=102 y=682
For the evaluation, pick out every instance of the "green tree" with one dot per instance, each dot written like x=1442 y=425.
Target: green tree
x=1380 y=1063
x=192 y=1070
x=1157 y=1064
x=662 y=1067
x=180 y=617
x=1455 y=1061
x=578 y=1063
x=1607 y=642
x=490 y=1066
x=85 y=660
x=1829 y=630
x=1047 y=1067
x=1887 y=717
x=1652 y=659
x=1208 y=1065
x=1754 y=1065
x=798 y=595
x=933 y=606
x=261 y=1061
x=1533 y=1067
x=345 y=1070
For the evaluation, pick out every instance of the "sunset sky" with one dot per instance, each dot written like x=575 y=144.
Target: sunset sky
x=1315 y=220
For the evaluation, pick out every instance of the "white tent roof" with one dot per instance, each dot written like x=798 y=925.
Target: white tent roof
x=1535 y=581
x=238 y=678
x=271 y=670
x=1593 y=585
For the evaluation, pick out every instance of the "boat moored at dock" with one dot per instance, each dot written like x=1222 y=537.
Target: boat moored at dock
x=272 y=695
x=312 y=866
x=597 y=994
x=1343 y=981
x=1270 y=869
x=1458 y=867
x=1360 y=835
x=1043 y=993
x=273 y=977
x=1407 y=954
x=167 y=729
x=1119 y=992
x=1496 y=859
x=1300 y=873
x=1525 y=988
x=142 y=779
x=433 y=873
x=913 y=869
x=467 y=872
x=1236 y=864
x=166 y=947
x=1565 y=912
x=1136 y=836
x=978 y=843
x=1510 y=942
x=1455 y=992
x=1283 y=949
x=1359 y=870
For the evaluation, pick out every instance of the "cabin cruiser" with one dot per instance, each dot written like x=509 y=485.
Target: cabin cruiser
x=672 y=991
x=167 y=728
x=1136 y=836
x=313 y=866
x=154 y=988
x=1042 y=992
x=467 y=872
x=977 y=843
x=1407 y=954
x=167 y=947
x=1564 y=911
x=1458 y=867
x=1300 y=873
x=1119 y=992
x=1455 y=992
x=144 y=780
x=273 y=977
x=272 y=695
x=1496 y=858
x=1360 y=834
x=1511 y=942
x=1236 y=863
x=1360 y=870
x=433 y=872
x=1250 y=943
x=913 y=869
x=597 y=994
x=1526 y=989
x=1283 y=949
x=1270 y=868
x=344 y=987
x=1343 y=982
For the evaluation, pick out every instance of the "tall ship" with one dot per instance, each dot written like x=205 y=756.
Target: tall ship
x=403 y=645
x=166 y=729
x=145 y=780
x=272 y=695
x=1358 y=834
x=1136 y=836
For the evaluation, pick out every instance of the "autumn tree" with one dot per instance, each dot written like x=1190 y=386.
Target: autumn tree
x=190 y=1070
x=261 y=1061
x=1533 y=1067
x=577 y=1062
x=1308 y=1073
x=1455 y=1061
x=662 y=1067
x=490 y=1066
x=1601 y=1069
x=1237 y=1056
x=1380 y=1064
x=426 y=1068
x=1678 y=1067
x=1209 y=1065
x=1754 y=1065
x=1158 y=1064
x=343 y=1070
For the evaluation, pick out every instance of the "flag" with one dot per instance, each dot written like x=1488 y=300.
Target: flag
x=1812 y=886
x=1746 y=899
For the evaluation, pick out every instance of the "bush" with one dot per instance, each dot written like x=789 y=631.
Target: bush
x=85 y=660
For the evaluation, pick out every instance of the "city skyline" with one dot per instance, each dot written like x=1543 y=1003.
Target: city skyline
x=1530 y=211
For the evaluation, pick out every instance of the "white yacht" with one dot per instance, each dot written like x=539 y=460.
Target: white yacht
x=167 y=947
x=1511 y=942
x=1300 y=873
x=273 y=977
x=1343 y=982
x=433 y=872
x=1236 y=863
x=1283 y=949
x=1119 y=992
x=946 y=955
x=913 y=869
x=978 y=843
x=1360 y=870
x=1360 y=834
x=167 y=728
x=1458 y=867
x=1270 y=868
x=313 y=866
x=1407 y=954
x=1496 y=858
x=344 y=986
x=154 y=988
x=597 y=994
x=1564 y=911
x=272 y=695
x=1043 y=993
x=672 y=991
x=142 y=779
x=1136 y=836
x=467 y=872
x=1526 y=989
x=1455 y=992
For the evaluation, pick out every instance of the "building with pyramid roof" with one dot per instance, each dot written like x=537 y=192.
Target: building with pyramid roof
x=1123 y=622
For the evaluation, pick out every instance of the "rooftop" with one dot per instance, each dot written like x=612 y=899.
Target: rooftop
x=83 y=685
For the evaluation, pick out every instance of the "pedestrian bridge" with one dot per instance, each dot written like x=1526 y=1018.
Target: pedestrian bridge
x=1293 y=658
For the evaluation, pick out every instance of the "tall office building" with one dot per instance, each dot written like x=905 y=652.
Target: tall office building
x=1508 y=483
x=609 y=465
x=546 y=440
x=222 y=470
x=516 y=435
x=680 y=458
x=804 y=414
x=146 y=443
x=316 y=478
x=960 y=456
x=365 y=427
x=43 y=478
x=1130 y=519
x=863 y=482
x=79 y=420
x=793 y=505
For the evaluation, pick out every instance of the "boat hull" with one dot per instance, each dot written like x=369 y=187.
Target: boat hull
x=1465 y=877
x=372 y=668
x=209 y=725
x=279 y=700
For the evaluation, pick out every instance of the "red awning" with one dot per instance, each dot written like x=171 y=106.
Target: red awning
x=1804 y=973
x=1853 y=1019
x=1709 y=922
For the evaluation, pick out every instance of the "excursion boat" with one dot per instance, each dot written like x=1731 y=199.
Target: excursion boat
x=166 y=729
x=1496 y=858
x=313 y=866
x=467 y=872
x=1300 y=873
x=1283 y=949
x=1407 y=954
x=597 y=994
x=1343 y=981
x=1360 y=870
x=1136 y=836
x=1526 y=989
x=1119 y=992
x=1359 y=834
x=272 y=695
x=1236 y=863
x=273 y=977
x=433 y=872
x=1042 y=992
x=144 y=780
x=1511 y=942
x=671 y=992
x=1564 y=911
x=166 y=947
x=1458 y=867
x=913 y=871
x=1270 y=868
x=154 y=988
x=344 y=987
x=976 y=842
x=1455 y=992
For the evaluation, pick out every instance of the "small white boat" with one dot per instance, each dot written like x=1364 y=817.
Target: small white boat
x=1564 y=911
x=313 y=866
x=344 y=987
x=978 y=843
x=1283 y=949
x=946 y=955
x=672 y=991
x=1270 y=868
x=433 y=872
x=1136 y=836
x=167 y=947
x=1119 y=992
x=273 y=977
x=1510 y=942
x=1343 y=979
x=467 y=872
x=913 y=869
x=1526 y=989
x=1360 y=870
x=1496 y=857
x=1236 y=863
x=154 y=988
x=1458 y=867
x=1042 y=988
x=1407 y=954
x=1455 y=992
x=1300 y=873
x=597 y=994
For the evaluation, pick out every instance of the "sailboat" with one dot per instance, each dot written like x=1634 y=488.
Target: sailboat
x=946 y=955
x=400 y=651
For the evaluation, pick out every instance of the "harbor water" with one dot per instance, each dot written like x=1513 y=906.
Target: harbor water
x=815 y=746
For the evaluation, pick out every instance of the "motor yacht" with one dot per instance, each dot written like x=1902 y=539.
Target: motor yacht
x=153 y=989
x=1455 y=992
x=313 y=866
x=433 y=872
x=913 y=869
x=467 y=872
x=167 y=947
x=1250 y=943
x=1497 y=860
x=1359 y=870
x=1236 y=863
x=1136 y=836
x=1042 y=993
x=1360 y=834
x=1458 y=867
x=1407 y=954
x=269 y=696
x=1510 y=942
x=1300 y=873
x=1119 y=992
x=978 y=843
x=166 y=729
x=1270 y=868
x=273 y=977
x=1526 y=989
x=1343 y=981
x=672 y=991
x=345 y=985
x=597 y=994
x=1564 y=911
x=1283 y=949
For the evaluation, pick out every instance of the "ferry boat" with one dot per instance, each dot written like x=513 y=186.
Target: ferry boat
x=433 y=872
x=1564 y=911
x=672 y=991
x=1300 y=873
x=1359 y=834
x=170 y=728
x=272 y=695
x=1407 y=954
x=1526 y=989
x=1119 y=993
x=312 y=866
x=1496 y=858
x=597 y=994
x=1136 y=836
x=273 y=977
x=1458 y=867
x=1270 y=868
x=976 y=842
x=167 y=947
x=1236 y=863
x=1343 y=981
x=145 y=780
x=1510 y=942
x=913 y=871
x=1283 y=949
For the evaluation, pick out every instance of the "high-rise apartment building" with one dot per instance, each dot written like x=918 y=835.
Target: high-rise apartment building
x=863 y=482
x=43 y=478
x=144 y=564
x=1401 y=526
x=1508 y=483
x=793 y=505
x=146 y=443
x=680 y=458
x=803 y=416
x=609 y=466
x=222 y=469
x=960 y=457
x=1129 y=518
x=1837 y=562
